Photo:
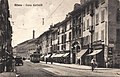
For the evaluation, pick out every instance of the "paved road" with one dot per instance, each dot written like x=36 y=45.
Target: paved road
x=50 y=70
x=31 y=70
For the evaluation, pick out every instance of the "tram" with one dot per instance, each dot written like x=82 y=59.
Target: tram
x=35 y=57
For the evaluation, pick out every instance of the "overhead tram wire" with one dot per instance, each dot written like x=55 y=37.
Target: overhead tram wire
x=52 y=13
x=54 y=10
x=21 y=27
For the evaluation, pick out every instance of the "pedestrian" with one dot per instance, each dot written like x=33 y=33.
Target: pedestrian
x=46 y=60
x=93 y=64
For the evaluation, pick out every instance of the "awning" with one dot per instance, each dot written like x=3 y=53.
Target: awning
x=53 y=55
x=58 y=55
x=42 y=56
x=65 y=54
x=94 y=52
x=81 y=53
x=47 y=56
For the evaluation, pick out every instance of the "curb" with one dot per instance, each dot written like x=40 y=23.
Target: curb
x=77 y=68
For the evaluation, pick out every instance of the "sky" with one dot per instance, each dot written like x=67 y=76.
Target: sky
x=24 y=19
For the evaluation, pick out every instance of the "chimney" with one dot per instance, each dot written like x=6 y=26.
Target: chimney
x=33 y=34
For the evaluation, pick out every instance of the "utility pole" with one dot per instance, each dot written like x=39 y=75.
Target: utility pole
x=91 y=30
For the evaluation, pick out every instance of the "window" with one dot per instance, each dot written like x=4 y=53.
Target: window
x=83 y=41
x=70 y=26
x=87 y=40
x=102 y=16
x=97 y=19
x=58 y=47
x=65 y=28
x=80 y=20
x=79 y=32
x=97 y=4
x=118 y=35
x=102 y=35
x=73 y=32
x=62 y=39
x=96 y=36
x=62 y=47
x=88 y=10
x=69 y=36
x=58 y=40
x=118 y=16
x=83 y=26
x=88 y=24
x=83 y=13
x=65 y=38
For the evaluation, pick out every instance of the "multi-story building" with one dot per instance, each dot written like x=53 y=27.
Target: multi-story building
x=26 y=48
x=64 y=38
x=54 y=38
x=5 y=37
x=43 y=42
x=100 y=31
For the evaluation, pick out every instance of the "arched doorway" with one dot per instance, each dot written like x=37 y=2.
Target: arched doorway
x=75 y=48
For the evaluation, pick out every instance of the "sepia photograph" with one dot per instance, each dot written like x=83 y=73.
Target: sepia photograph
x=59 y=38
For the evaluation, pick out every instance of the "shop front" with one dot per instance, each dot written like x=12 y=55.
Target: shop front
x=98 y=54
x=81 y=57
x=61 y=58
x=66 y=57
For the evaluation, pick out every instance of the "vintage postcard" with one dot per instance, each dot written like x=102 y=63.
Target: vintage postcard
x=59 y=38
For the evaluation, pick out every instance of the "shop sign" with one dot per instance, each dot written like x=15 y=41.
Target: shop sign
x=97 y=42
x=98 y=47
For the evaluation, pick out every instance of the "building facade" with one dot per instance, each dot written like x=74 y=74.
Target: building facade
x=25 y=49
x=5 y=37
x=91 y=30
x=99 y=36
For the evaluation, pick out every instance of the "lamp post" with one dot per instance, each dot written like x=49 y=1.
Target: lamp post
x=91 y=30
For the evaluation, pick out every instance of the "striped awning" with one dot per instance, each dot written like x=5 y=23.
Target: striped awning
x=42 y=56
x=53 y=55
x=66 y=54
x=94 y=52
x=47 y=56
x=81 y=53
x=58 y=55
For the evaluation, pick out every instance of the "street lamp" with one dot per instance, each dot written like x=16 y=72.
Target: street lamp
x=91 y=30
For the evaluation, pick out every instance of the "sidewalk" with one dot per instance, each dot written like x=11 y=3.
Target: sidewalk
x=84 y=67
x=8 y=74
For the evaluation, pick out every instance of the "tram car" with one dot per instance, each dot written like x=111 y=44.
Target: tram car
x=35 y=57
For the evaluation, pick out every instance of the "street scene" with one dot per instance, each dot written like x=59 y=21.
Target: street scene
x=60 y=38
x=63 y=70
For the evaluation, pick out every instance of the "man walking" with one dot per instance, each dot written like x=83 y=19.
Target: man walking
x=93 y=64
